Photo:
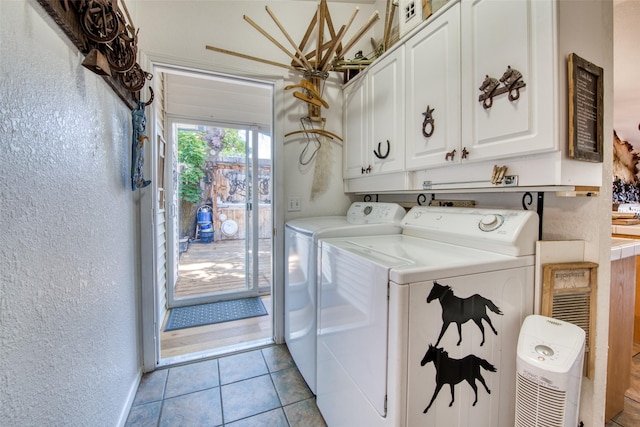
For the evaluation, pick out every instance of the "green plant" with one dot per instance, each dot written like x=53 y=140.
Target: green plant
x=192 y=152
x=234 y=143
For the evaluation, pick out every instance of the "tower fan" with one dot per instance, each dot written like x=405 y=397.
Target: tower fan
x=549 y=372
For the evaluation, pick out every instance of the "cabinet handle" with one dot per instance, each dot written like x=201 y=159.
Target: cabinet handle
x=512 y=81
x=367 y=170
x=428 y=121
x=379 y=154
x=451 y=154
x=465 y=153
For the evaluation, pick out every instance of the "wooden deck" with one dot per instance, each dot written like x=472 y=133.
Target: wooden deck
x=219 y=267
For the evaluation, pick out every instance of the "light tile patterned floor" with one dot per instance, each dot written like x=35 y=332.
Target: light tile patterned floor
x=255 y=388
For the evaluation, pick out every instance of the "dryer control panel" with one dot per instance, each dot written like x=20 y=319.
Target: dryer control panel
x=375 y=213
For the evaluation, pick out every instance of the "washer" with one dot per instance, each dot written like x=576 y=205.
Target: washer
x=409 y=324
x=301 y=247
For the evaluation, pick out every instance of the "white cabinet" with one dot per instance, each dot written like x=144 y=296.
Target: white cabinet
x=496 y=35
x=354 y=158
x=441 y=68
x=373 y=117
x=433 y=88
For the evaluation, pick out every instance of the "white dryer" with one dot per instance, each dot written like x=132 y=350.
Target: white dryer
x=421 y=329
x=301 y=247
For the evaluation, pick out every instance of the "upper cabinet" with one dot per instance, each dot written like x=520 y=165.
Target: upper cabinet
x=507 y=50
x=432 y=122
x=373 y=118
x=355 y=158
x=480 y=87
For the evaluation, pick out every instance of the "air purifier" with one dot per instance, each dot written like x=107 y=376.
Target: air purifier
x=549 y=361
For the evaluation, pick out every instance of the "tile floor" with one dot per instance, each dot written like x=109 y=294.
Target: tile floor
x=256 y=388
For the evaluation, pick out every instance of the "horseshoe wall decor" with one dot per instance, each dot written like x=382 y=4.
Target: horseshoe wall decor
x=378 y=152
x=428 y=121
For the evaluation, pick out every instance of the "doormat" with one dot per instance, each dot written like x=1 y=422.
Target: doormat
x=215 y=312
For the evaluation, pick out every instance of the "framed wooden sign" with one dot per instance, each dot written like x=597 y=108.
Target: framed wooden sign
x=585 y=110
x=569 y=294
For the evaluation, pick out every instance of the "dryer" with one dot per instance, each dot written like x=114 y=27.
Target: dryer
x=301 y=246
x=421 y=328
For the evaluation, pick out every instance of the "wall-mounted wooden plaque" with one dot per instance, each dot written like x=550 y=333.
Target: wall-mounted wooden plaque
x=585 y=110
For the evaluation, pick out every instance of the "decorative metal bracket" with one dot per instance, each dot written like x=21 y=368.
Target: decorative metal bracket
x=512 y=81
x=378 y=153
x=428 y=121
x=527 y=200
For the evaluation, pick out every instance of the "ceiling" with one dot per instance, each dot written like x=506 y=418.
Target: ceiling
x=626 y=70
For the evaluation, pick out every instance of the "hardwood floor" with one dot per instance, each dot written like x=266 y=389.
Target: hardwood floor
x=217 y=268
x=220 y=338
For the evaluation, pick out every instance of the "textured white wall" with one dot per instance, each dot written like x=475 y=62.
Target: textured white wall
x=69 y=269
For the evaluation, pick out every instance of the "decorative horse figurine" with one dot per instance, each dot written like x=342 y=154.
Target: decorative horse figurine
x=488 y=88
x=461 y=310
x=512 y=80
x=453 y=371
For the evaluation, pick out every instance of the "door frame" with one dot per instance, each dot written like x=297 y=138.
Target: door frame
x=151 y=322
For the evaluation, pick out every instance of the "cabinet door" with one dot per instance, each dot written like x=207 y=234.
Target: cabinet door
x=494 y=36
x=386 y=109
x=433 y=82
x=355 y=149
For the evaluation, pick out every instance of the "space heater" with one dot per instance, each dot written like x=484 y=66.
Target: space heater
x=549 y=361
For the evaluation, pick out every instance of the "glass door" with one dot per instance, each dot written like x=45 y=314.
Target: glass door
x=224 y=213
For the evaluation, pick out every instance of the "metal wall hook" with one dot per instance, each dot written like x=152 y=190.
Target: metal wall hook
x=428 y=121
x=512 y=81
x=379 y=154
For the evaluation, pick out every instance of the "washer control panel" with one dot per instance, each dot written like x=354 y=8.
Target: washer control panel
x=491 y=222
x=508 y=231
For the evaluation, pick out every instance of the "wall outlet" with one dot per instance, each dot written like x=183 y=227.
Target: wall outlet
x=294 y=204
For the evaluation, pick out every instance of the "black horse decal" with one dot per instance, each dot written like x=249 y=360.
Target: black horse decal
x=452 y=371
x=461 y=310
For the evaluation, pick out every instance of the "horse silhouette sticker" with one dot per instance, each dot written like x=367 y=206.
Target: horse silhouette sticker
x=461 y=310
x=453 y=371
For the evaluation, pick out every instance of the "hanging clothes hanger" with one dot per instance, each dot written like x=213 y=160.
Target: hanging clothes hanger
x=317 y=131
x=311 y=94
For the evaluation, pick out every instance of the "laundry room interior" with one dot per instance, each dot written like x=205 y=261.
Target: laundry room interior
x=392 y=212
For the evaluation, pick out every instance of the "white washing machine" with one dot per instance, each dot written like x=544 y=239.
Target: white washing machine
x=301 y=247
x=421 y=328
